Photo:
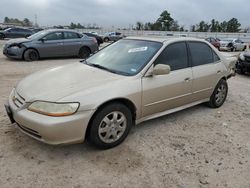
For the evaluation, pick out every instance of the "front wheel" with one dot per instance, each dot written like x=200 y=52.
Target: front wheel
x=219 y=95
x=31 y=55
x=110 y=126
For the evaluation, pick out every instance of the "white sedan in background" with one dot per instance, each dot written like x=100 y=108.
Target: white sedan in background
x=232 y=45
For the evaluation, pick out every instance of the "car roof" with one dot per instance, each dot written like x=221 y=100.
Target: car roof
x=165 y=39
x=60 y=30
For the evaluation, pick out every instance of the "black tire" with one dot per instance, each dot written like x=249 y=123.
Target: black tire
x=31 y=55
x=84 y=52
x=97 y=138
x=244 y=48
x=220 y=91
x=106 y=39
x=2 y=36
x=233 y=49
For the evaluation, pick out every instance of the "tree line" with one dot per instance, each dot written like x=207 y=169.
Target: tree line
x=165 y=22
x=25 y=22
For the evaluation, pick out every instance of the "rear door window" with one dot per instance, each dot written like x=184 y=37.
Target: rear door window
x=54 y=36
x=71 y=35
x=174 y=55
x=201 y=53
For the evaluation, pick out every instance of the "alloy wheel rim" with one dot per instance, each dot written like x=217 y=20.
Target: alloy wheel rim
x=112 y=127
x=33 y=55
x=220 y=94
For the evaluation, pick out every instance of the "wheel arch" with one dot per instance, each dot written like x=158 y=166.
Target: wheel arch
x=128 y=103
x=30 y=48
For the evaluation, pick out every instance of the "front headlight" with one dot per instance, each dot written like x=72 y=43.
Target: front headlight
x=242 y=57
x=54 y=109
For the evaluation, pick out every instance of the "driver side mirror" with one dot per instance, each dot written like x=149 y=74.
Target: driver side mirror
x=161 y=69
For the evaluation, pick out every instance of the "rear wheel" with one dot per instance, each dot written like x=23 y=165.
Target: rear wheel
x=219 y=95
x=106 y=39
x=84 y=52
x=31 y=55
x=110 y=126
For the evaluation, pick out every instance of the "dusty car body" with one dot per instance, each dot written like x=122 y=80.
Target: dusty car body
x=232 y=45
x=50 y=43
x=130 y=81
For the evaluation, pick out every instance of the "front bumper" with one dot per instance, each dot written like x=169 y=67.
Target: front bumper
x=50 y=130
x=13 y=52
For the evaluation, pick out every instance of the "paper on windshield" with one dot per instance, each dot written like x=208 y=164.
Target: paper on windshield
x=141 y=49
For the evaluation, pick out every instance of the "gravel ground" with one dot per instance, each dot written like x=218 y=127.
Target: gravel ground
x=197 y=147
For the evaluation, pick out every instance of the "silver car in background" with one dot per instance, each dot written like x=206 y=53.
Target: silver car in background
x=51 y=43
x=232 y=45
x=112 y=36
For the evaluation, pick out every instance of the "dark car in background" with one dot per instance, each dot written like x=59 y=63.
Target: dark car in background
x=97 y=37
x=243 y=64
x=15 y=32
x=51 y=43
x=215 y=42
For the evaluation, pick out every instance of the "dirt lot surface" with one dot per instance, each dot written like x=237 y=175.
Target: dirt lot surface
x=197 y=147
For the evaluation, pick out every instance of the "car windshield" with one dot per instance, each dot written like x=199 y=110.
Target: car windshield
x=8 y=29
x=125 y=57
x=38 y=35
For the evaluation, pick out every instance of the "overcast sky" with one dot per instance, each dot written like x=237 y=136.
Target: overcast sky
x=122 y=13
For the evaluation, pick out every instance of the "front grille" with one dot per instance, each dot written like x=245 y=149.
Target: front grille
x=18 y=100
x=30 y=131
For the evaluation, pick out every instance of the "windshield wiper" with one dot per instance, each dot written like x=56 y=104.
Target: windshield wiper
x=104 y=68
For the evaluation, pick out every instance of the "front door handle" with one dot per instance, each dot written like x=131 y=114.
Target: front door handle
x=187 y=79
x=219 y=71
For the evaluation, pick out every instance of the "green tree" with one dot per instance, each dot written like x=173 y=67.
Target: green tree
x=233 y=25
x=165 y=21
x=148 y=26
x=139 y=26
x=6 y=20
x=223 y=26
x=26 y=22
x=175 y=26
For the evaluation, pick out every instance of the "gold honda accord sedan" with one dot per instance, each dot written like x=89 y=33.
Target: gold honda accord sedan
x=128 y=82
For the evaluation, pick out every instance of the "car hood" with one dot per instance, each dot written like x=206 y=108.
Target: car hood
x=17 y=41
x=57 y=83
